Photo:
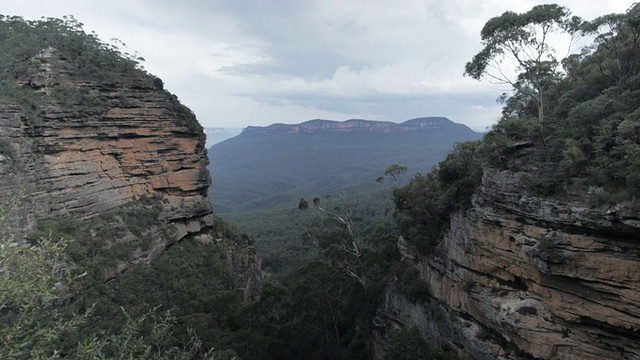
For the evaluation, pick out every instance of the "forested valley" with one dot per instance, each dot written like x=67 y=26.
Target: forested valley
x=141 y=279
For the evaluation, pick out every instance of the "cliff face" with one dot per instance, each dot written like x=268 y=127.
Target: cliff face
x=109 y=146
x=523 y=276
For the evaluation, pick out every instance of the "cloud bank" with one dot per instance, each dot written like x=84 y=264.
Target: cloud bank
x=257 y=62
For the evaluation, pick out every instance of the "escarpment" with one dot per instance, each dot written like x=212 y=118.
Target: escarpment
x=523 y=276
x=89 y=148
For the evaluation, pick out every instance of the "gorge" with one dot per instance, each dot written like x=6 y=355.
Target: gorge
x=521 y=243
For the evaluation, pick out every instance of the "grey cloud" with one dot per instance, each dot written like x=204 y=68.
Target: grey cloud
x=299 y=45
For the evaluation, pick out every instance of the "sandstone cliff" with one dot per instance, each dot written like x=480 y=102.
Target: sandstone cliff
x=520 y=276
x=106 y=145
x=358 y=125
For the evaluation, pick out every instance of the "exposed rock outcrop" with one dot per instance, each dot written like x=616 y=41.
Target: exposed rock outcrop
x=522 y=276
x=357 y=125
x=107 y=146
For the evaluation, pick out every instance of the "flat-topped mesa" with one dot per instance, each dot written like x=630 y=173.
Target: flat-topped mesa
x=353 y=125
x=91 y=146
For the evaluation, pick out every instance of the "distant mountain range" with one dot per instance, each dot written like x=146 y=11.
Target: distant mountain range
x=357 y=125
x=273 y=166
x=216 y=135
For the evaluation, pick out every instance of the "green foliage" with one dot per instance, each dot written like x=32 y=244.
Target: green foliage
x=90 y=58
x=102 y=241
x=548 y=246
x=191 y=279
x=78 y=100
x=590 y=138
x=409 y=344
x=34 y=281
x=316 y=312
x=394 y=172
x=143 y=337
x=37 y=288
x=277 y=232
x=524 y=38
x=426 y=203
x=616 y=37
x=412 y=286
x=311 y=306
x=338 y=235
x=185 y=115
x=84 y=58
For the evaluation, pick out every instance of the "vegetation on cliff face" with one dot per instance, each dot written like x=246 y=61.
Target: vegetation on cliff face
x=409 y=344
x=589 y=141
x=84 y=57
x=424 y=205
x=68 y=266
x=183 y=304
x=88 y=57
x=39 y=286
x=590 y=135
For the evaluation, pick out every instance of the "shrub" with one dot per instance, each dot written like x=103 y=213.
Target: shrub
x=426 y=203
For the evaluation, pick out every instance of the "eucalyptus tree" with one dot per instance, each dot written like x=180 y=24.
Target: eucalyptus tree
x=526 y=39
x=616 y=47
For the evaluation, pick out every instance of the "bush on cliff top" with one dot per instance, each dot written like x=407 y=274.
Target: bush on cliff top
x=589 y=142
x=86 y=58
x=425 y=204
x=89 y=57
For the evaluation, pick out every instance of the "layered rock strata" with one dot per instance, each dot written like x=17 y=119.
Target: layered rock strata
x=519 y=276
x=111 y=145
x=357 y=125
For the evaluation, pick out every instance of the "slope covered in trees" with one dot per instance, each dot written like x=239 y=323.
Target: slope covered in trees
x=538 y=222
x=588 y=142
x=260 y=175
x=269 y=167
x=56 y=301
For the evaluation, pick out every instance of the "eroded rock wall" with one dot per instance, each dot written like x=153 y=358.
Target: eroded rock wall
x=548 y=279
x=107 y=146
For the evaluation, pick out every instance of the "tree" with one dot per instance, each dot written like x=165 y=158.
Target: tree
x=617 y=39
x=338 y=237
x=35 y=286
x=34 y=280
x=525 y=39
x=395 y=172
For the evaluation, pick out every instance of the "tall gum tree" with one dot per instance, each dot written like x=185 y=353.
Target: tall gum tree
x=526 y=39
x=617 y=41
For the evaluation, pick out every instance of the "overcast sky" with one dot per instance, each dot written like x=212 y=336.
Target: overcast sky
x=257 y=62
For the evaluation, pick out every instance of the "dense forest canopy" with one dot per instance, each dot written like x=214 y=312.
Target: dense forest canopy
x=90 y=57
x=589 y=141
x=85 y=59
